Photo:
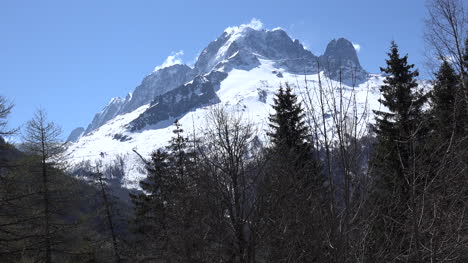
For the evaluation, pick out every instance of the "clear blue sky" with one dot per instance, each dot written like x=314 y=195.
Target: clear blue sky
x=72 y=57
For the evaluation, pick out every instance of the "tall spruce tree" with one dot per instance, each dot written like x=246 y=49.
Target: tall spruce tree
x=394 y=127
x=288 y=128
x=181 y=158
x=444 y=170
x=150 y=213
x=400 y=96
x=168 y=213
x=447 y=103
x=398 y=130
x=188 y=209
x=294 y=185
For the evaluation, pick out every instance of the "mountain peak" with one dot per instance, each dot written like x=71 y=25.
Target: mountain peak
x=243 y=47
x=340 y=60
x=342 y=48
x=241 y=70
x=75 y=134
x=173 y=59
x=253 y=43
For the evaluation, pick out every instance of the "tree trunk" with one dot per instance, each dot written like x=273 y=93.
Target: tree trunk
x=109 y=219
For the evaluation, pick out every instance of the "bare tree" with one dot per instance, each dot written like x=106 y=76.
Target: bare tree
x=225 y=158
x=42 y=139
x=15 y=214
x=339 y=120
x=106 y=198
x=5 y=110
x=446 y=31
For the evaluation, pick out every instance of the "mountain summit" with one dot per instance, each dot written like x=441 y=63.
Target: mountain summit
x=242 y=68
x=242 y=47
x=239 y=48
x=341 y=61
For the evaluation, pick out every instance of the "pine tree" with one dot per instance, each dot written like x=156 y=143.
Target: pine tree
x=288 y=129
x=181 y=157
x=446 y=106
x=294 y=185
x=150 y=220
x=168 y=212
x=187 y=211
x=400 y=96
x=398 y=132
x=444 y=160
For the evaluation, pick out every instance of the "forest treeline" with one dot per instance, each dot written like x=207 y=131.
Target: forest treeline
x=325 y=184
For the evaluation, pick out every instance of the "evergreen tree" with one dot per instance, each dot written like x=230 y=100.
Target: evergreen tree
x=398 y=132
x=288 y=129
x=446 y=107
x=180 y=157
x=444 y=169
x=400 y=96
x=150 y=220
x=187 y=210
x=168 y=212
x=294 y=186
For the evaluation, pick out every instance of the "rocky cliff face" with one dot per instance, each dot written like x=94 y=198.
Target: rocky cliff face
x=241 y=70
x=249 y=45
x=174 y=104
x=155 y=84
x=175 y=90
x=158 y=83
x=75 y=134
x=243 y=49
x=341 y=62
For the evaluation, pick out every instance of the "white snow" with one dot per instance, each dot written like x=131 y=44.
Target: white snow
x=240 y=90
x=254 y=24
x=173 y=59
x=357 y=47
x=114 y=100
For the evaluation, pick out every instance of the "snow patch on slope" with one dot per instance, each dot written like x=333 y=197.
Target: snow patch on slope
x=251 y=92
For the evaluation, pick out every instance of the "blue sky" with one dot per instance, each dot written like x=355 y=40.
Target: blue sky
x=72 y=57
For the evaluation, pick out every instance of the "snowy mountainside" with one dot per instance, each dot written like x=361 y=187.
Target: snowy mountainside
x=240 y=48
x=75 y=134
x=241 y=70
x=251 y=92
x=157 y=83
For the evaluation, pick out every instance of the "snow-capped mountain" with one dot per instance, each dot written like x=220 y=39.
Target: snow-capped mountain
x=157 y=83
x=75 y=135
x=242 y=68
